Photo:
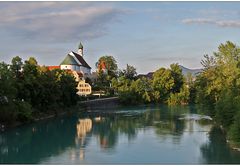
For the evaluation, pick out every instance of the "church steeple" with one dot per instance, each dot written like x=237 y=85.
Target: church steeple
x=80 y=49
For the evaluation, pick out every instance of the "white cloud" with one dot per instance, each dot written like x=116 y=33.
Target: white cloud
x=220 y=23
x=198 y=21
x=57 y=20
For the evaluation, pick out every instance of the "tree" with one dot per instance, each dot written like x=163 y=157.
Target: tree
x=163 y=82
x=16 y=66
x=177 y=75
x=7 y=88
x=130 y=72
x=109 y=63
x=107 y=70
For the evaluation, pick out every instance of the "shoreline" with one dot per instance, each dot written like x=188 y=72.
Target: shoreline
x=232 y=145
x=4 y=127
x=80 y=106
x=229 y=142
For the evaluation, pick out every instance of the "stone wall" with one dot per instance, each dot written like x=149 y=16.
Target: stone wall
x=101 y=104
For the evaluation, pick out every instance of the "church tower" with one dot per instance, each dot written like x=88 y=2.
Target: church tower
x=80 y=49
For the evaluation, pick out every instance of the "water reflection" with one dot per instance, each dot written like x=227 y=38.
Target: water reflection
x=83 y=127
x=93 y=137
x=216 y=151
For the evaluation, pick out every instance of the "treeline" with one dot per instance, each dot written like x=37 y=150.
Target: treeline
x=167 y=85
x=28 y=90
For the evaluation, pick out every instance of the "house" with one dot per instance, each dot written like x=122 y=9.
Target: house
x=75 y=62
x=84 y=88
x=101 y=66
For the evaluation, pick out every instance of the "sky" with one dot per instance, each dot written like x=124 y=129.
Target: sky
x=147 y=35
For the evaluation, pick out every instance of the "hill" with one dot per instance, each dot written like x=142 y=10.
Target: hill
x=185 y=70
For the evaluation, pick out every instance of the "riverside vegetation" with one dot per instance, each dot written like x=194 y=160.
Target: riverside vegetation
x=28 y=88
x=29 y=91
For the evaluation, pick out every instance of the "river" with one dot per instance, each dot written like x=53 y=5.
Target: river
x=155 y=134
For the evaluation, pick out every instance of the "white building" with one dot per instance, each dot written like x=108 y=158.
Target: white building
x=75 y=62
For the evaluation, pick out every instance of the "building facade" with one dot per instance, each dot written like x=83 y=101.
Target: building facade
x=84 y=88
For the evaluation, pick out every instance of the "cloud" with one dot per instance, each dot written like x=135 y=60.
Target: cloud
x=220 y=23
x=53 y=21
x=214 y=12
x=198 y=21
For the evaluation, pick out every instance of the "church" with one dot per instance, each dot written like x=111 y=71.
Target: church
x=74 y=61
x=76 y=65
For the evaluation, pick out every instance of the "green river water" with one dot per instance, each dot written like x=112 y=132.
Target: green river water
x=126 y=135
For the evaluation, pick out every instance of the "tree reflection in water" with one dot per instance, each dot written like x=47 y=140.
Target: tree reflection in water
x=216 y=151
x=72 y=135
x=35 y=142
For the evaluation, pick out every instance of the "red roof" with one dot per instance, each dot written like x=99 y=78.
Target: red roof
x=53 y=67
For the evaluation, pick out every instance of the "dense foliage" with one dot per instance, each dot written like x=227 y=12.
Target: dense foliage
x=27 y=89
x=218 y=87
x=166 y=86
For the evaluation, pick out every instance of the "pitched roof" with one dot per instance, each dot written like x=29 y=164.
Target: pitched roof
x=81 y=60
x=69 y=60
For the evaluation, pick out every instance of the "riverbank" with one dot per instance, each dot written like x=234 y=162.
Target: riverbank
x=101 y=103
x=39 y=116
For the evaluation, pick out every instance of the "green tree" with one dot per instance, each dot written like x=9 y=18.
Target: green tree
x=177 y=75
x=110 y=64
x=130 y=72
x=163 y=82
x=16 y=66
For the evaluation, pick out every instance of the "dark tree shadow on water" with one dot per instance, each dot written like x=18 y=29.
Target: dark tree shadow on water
x=217 y=151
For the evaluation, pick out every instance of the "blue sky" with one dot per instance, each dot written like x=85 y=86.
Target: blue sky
x=148 y=35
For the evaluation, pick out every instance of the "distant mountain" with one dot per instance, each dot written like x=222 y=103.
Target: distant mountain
x=148 y=75
x=185 y=70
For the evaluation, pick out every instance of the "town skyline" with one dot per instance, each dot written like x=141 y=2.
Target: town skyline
x=147 y=35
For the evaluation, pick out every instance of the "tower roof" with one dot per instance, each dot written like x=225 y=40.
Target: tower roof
x=80 y=46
